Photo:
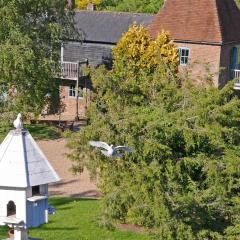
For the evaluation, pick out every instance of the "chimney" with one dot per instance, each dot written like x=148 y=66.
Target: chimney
x=91 y=7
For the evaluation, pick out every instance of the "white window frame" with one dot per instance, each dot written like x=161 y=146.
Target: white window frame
x=62 y=52
x=187 y=57
x=72 y=91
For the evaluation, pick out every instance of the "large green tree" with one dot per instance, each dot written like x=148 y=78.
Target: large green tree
x=30 y=38
x=182 y=181
x=146 y=6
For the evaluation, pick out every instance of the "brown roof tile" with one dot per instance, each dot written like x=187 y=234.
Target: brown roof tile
x=210 y=21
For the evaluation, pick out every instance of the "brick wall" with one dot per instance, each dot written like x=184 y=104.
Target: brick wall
x=204 y=59
x=226 y=61
x=69 y=103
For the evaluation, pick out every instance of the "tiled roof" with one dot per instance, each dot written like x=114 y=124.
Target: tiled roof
x=210 y=21
x=107 y=27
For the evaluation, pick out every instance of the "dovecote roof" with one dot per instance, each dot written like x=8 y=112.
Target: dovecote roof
x=22 y=163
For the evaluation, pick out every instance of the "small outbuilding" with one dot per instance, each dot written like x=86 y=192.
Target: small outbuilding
x=24 y=177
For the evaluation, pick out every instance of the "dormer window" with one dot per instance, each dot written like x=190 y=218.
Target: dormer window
x=183 y=56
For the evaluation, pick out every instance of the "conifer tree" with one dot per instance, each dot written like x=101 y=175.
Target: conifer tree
x=183 y=178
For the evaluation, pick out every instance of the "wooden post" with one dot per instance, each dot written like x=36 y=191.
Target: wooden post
x=85 y=85
x=77 y=86
x=20 y=234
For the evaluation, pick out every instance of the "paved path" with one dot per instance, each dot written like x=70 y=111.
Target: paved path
x=78 y=186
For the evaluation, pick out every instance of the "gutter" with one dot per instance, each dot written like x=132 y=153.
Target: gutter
x=206 y=43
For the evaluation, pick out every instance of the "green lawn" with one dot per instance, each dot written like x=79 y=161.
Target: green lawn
x=38 y=131
x=76 y=220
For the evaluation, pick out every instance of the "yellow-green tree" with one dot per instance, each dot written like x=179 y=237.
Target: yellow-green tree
x=141 y=56
x=137 y=50
x=82 y=4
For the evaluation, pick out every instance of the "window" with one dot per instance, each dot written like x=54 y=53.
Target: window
x=183 y=56
x=35 y=190
x=235 y=58
x=72 y=91
x=80 y=91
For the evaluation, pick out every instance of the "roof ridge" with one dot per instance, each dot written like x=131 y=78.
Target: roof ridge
x=23 y=141
x=114 y=12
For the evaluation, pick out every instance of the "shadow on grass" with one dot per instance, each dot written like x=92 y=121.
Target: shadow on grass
x=58 y=228
x=57 y=202
x=61 y=183
x=43 y=132
x=38 y=131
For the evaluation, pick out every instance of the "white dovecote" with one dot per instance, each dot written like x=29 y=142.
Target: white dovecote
x=24 y=177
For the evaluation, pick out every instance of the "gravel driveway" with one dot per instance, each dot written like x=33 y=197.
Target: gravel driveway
x=78 y=186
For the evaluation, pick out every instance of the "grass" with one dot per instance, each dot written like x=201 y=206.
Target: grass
x=38 y=131
x=77 y=220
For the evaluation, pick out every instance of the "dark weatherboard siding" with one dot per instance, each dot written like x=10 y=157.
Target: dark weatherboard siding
x=96 y=54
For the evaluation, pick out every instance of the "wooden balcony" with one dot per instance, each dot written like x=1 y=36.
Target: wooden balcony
x=69 y=70
x=235 y=74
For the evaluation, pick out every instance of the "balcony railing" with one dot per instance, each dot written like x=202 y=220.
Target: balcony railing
x=235 y=74
x=69 y=70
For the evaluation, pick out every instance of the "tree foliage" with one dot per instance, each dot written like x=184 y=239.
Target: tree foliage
x=143 y=53
x=82 y=4
x=182 y=181
x=238 y=2
x=147 y=6
x=30 y=38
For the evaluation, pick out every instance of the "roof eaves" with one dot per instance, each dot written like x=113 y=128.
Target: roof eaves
x=198 y=42
x=100 y=42
x=91 y=41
